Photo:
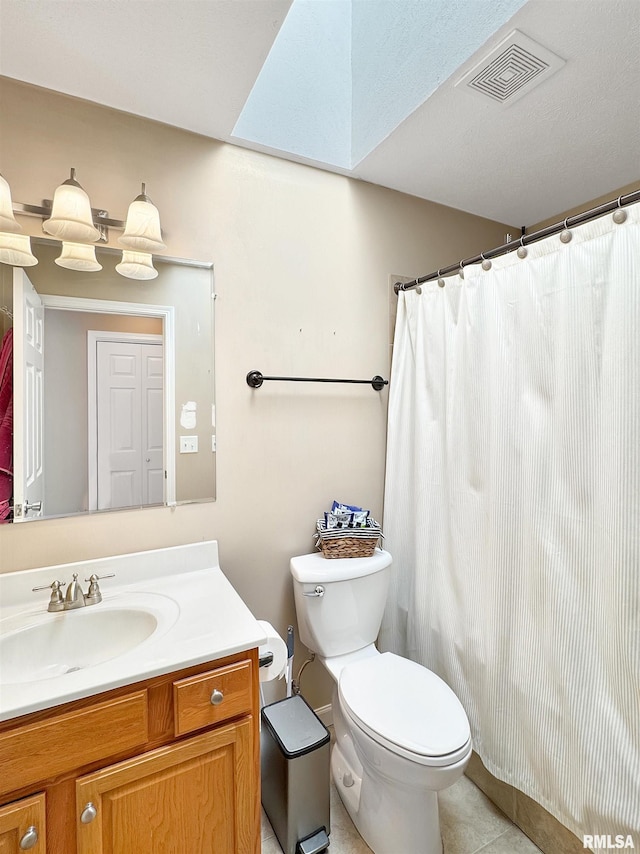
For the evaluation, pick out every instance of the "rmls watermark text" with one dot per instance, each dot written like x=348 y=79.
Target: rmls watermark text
x=599 y=841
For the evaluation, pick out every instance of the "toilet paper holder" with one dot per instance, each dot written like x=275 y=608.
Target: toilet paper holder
x=265 y=659
x=272 y=654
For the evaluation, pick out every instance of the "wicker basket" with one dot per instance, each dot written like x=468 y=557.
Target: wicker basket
x=348 y=542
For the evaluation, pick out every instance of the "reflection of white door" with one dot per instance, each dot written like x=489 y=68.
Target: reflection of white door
x=129 y=423
x=28 y=386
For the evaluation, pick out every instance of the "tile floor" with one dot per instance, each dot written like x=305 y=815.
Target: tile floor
x=470 y=824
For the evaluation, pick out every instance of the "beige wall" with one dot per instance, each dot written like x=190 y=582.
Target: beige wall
x=302 y=265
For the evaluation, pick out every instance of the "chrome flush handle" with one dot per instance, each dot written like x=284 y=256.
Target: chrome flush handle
x=317 y=591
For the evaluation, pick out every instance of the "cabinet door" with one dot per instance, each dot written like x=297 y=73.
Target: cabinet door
x=22 y=826
x=192 y=796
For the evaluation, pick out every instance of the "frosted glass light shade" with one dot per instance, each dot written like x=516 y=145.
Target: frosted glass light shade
x=7 y=219
x=71 y=217
x=136 y=265
x=78 y=256
x=142 y=230
x=15 y=249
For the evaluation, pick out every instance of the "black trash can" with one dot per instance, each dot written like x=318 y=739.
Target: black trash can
x=294 y=761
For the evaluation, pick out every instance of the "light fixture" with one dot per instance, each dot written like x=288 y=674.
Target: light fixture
x=15 y=249
x=7 y=219
x=78 y=256
x=136 y=265
x=142 y=230
x=71 y=218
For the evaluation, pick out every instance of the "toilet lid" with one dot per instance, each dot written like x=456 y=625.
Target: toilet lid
x=404 y=706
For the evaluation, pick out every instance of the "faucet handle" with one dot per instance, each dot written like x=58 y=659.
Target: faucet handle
x=93 y=593
x=95 y=577
x=55 y=585
x=56 y=602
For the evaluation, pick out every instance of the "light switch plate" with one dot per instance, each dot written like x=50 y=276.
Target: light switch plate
x=188 y=444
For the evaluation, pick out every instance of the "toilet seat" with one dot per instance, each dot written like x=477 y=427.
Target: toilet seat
x=405 y=708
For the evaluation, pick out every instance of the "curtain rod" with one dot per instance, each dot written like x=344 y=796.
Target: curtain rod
x=513 y=245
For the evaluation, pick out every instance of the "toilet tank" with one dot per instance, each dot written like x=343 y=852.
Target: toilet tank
x=347 y=616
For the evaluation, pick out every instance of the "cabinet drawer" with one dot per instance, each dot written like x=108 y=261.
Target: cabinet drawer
x=212 y=697
x=64 y=742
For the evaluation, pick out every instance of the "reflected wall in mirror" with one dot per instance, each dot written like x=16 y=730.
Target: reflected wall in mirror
x=113 y=385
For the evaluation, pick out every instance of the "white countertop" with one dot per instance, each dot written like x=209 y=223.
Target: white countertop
x=203 y=619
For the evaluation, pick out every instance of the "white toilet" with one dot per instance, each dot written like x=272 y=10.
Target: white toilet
x=401 y=734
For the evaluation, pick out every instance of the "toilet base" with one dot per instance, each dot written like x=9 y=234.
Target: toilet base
x=391 y=818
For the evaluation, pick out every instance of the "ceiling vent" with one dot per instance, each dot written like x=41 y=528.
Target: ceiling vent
x=512 y=69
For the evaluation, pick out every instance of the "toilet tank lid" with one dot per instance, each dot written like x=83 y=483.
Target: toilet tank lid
x=315 y=568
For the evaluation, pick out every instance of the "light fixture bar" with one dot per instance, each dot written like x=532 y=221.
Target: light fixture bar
x=100 y=216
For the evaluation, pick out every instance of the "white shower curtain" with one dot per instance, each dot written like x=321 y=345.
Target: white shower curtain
x=512 y=511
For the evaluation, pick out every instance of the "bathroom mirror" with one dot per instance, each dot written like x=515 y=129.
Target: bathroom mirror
x=120 y=412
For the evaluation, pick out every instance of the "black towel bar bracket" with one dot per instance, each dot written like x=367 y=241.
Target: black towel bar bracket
x=255 y=380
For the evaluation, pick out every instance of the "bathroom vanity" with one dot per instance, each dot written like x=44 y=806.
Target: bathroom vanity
x=154 y=749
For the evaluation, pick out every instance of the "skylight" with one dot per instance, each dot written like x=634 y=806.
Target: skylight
x=343 y=74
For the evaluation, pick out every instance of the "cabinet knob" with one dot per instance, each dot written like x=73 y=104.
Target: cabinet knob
x=29 y=839
x=216 y=697
x=88 y=813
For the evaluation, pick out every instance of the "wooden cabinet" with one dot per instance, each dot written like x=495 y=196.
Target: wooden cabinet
x=169 y=765
x=23 y=826
x=204 y=783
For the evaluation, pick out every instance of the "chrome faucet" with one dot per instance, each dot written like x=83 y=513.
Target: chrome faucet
x=74 y=597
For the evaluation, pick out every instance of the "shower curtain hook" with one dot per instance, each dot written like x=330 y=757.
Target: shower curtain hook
x=440 y=280
x=486 y=264
x=565 y=234
x=522 y=249
x=461 y=270
x=619 y=215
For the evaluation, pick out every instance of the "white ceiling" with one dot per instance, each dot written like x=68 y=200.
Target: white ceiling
x=193 y=63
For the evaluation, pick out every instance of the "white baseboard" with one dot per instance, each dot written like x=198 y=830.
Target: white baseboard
x=325 y=713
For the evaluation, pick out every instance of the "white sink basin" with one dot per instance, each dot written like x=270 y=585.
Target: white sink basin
x=163 y=611
x=45 y=646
